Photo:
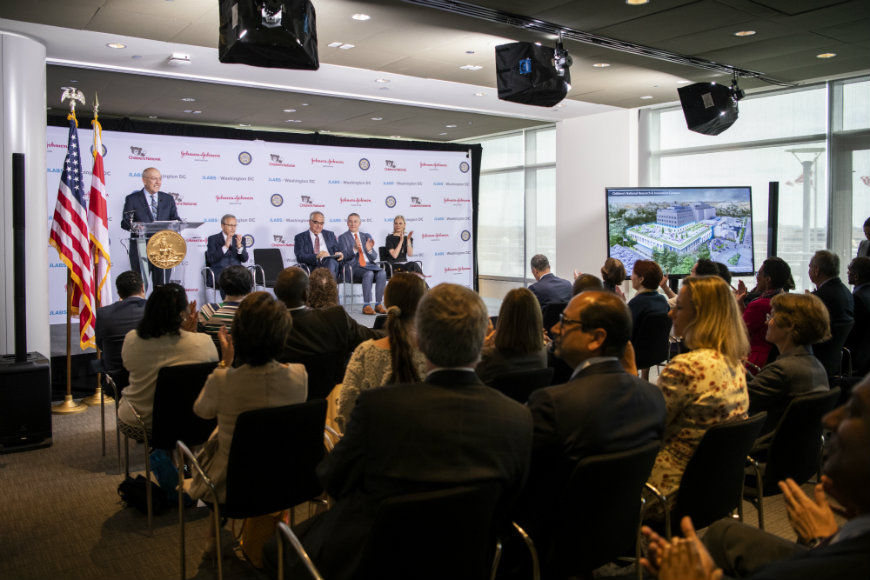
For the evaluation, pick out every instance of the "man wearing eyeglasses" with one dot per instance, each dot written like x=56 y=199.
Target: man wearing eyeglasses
x=225 y=249
x=316 y=247
x=601 y=409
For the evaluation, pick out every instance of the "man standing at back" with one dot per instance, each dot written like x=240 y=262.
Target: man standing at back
x=549 y=289
x=824 y=272
x=448 y=431
x=601 y=409
x=359 y=247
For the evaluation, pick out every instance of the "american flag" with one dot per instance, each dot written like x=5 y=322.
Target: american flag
x=69 y=236
x=98 y=222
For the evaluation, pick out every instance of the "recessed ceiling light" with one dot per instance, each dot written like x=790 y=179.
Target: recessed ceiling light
x=197 y=112
x=826 y=55
x=346 y=46
x=136 y=56
x=116 y=45
x=479 y=94
x=304 y=104
x=537 y=44
x=395 y=136
x=152 y=116
x=469 y=52
x=73 y=81
x=384 y=89
x=636 y=2
x=382 y=81
x=188 y=99
x=334 y=44
x=471 y=67
x=682 y=82
x=188 y=110
x=442 y=133
x=289 y=110
x=601 y=64
x=377 y=118
x=450 y=126
x=646 y=97
x=244 y=124
x=360 y=16
x=744 y=33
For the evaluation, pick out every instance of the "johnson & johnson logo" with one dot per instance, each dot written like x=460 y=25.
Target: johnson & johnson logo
x=456 y=200
x=326 y=162
x=354 y=200
x=203 y=156
x=435 y=165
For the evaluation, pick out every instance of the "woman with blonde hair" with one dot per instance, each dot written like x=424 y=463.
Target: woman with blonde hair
x=390 y=360
x=518 y=341
x=706 y=385
x=400 y=247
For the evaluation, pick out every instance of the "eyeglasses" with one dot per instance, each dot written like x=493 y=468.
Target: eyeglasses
x=316 y=223
x=563 y=321
x=768 y=318
x=229 y=225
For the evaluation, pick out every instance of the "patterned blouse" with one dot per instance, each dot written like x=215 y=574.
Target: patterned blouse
x=369 y=368
x=701 y=388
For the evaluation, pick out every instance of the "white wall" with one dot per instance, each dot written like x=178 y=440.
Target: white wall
x=592 y=152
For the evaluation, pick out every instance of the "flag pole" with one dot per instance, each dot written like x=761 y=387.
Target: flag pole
x=69 y=406
x=98 y=398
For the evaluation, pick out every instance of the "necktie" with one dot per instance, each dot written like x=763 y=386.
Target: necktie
x=154 y=206
x=316 y=245
x=362 y=256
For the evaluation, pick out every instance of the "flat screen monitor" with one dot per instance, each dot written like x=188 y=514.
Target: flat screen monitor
x=675 y=226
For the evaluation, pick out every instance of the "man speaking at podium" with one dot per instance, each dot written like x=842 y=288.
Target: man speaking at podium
x=147 y=205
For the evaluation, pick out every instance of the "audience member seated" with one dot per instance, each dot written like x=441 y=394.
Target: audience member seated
x=645 y=279
x=824 y=272
x=548 y=288
x=858 y=342
x=164 y=338
x=864 y=245
x=771 y=279
x=795 y=322
x=116 y=320
x=236 y=283
x=823 y=550
x=612 y=275
x=400 y=246
x=602 y=409
x=324 y=330
x=585 y=282
x=322 y=289
x=703 y=267
x=725 y=273
x=447 y=431
x=389 y=360
x=517 y=344
x=704 y=386
x=259 y=381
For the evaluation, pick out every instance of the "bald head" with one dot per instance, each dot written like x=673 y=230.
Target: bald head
x=291 y=287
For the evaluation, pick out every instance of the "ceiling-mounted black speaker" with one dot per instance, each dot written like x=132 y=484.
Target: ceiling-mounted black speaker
x=268 y=33
x=526 y=73
x=709 y=108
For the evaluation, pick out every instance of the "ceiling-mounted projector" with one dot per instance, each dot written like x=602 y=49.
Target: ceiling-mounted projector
x=531 y=74
x=268 y=33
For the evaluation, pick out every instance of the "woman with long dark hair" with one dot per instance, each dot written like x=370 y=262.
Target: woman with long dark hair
x=390 y=360
x=162 y=339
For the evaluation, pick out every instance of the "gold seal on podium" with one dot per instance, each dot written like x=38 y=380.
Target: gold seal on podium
x=166 y=249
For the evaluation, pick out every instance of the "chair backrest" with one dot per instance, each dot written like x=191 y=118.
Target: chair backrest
x=271 y=261
x=111 y=355
x=273 y=457
x=448 y=533
x=173 y=418
x=712 y=484
x=550 y=313
x=830 y=352
x=600 y=511
x=380 y=322
x=650 y=339
x=797 y=441
x=325 y=370
x=384 y=254
x=518 y=386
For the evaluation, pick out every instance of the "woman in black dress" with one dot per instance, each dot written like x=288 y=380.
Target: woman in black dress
x=400 y=247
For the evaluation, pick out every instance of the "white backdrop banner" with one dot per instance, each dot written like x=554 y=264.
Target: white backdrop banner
x=272 y=188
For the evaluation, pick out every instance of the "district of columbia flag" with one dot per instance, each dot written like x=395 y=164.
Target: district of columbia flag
x=69 y=236
x=98 y=223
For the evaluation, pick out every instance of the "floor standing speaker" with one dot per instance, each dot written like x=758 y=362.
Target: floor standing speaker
x=25 y=403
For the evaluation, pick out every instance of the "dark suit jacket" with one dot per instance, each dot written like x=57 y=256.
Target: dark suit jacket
x=137 y=202
x=304 y=249
x=793 y=373
x=217 y=259
x=846 y=559
x=450 y=430
x=551 y=289
x=113 y=322
x=838 y=300
x=602 y=410
x=858 y=342
x=324 y=330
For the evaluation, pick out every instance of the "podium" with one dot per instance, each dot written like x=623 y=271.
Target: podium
x=141 y=232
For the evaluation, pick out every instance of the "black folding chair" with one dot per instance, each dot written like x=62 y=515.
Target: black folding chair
x=518 y=386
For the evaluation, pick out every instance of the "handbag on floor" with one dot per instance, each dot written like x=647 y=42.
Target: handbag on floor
x=133 y=494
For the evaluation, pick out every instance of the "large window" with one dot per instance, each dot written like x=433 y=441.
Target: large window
x=517 y=209
x=813 y=141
